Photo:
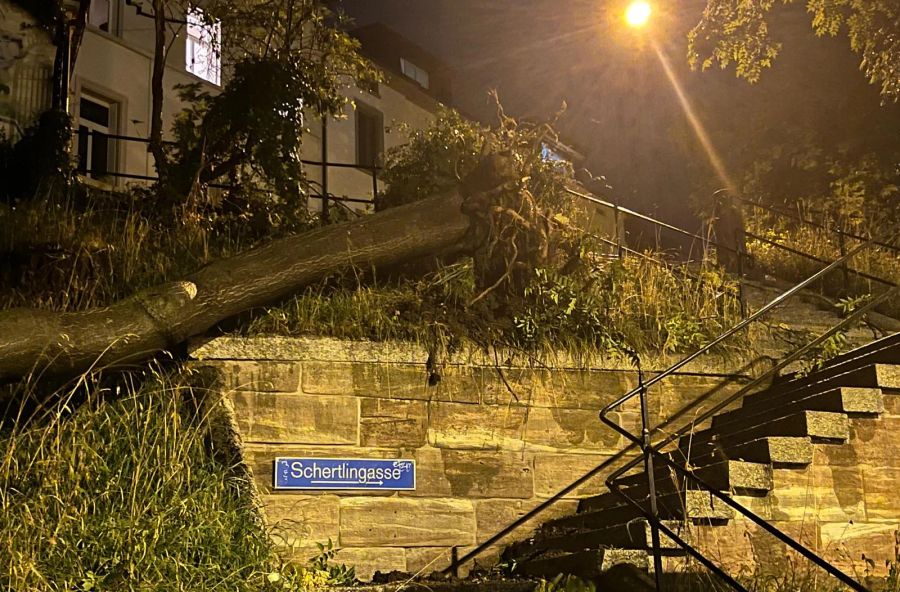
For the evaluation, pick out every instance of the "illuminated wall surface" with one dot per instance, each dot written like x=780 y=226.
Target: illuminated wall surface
x=483 y=458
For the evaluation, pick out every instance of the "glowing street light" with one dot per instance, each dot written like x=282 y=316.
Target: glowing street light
x=638 y=13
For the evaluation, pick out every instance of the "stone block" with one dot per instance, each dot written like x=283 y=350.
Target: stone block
x=476 y=427
x=328 y=378
x=881 y=492
x=406 y=522
x=831 y=494
x=463 y=384
x=494 y=515
x=422 y=561
x=392 y=423
x=860 y=547
x=552 y=472
x=264 y=377
x=296 y=418
x=298 y=522
x=261 y=458
x=366 y=561
x=872 y=441
x=442 y=472
x=569 y=430
x=393 y=381
x=581 y=389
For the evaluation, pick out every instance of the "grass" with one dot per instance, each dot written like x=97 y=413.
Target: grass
x=88 y=248
x=875 y=261
x=124 y=495
x=634 y=303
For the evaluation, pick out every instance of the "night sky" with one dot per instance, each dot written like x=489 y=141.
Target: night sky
x=622 y=111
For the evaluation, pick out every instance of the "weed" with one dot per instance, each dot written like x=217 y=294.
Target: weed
x=124 y=495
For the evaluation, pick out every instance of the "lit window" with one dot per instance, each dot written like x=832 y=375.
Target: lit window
x=369 y=135
x=202 y=57
x=96 y=120
x=410 y=70
x=548 y=154
x=100 y=14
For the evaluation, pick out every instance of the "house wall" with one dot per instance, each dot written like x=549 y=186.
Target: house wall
x=26 y=69
x=484 y=455
x=393 y=102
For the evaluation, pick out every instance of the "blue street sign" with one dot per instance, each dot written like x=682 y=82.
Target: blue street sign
x=344 y=473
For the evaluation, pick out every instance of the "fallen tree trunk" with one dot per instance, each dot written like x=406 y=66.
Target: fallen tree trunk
x=160 y=318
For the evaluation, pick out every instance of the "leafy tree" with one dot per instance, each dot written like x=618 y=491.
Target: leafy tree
x=284 y=60
x=737 y=32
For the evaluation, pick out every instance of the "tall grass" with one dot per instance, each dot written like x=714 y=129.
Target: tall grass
x=124 y=495
x=879 y=262
x=87 y=248
x=646 y=305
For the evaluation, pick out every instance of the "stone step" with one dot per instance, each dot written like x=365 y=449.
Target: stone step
x=590 y=564
x=849 y=400
x=609 y=509
x=844 y=401
x=772 y=450
x=865 y=375
x=886 y=350
x=634 y=534
x=719 y=472
x=820 y=426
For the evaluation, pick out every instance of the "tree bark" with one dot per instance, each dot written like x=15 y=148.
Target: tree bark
x=156 y=89
x=160 y=318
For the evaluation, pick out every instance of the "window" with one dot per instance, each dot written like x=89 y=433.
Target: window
x=96 y=119
x=411 y=70
x=369 y=135
x=100 y=14
x=202 y=56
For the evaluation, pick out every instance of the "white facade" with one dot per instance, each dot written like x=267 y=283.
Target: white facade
x=114 y=66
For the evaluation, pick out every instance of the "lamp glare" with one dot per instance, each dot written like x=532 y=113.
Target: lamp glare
x=638 y=13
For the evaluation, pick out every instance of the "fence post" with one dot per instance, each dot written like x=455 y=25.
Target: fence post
x=616 y=229
x=842 y=244
x=374 y=184
x=325 y=169
x=647 y=448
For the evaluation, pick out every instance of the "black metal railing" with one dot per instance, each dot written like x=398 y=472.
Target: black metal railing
x=637 y=446
x=326 y=197
x=653 y=452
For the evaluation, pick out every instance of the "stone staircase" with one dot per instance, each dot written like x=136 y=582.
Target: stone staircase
x=781 y=428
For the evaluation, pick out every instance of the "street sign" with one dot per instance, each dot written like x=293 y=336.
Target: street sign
x=344 y=473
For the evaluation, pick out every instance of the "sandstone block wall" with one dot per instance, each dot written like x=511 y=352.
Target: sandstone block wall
x=488 y=449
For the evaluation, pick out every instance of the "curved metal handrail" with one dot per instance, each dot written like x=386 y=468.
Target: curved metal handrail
x=651 y=451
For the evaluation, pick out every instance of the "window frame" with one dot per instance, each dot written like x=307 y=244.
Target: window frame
x=197 y=34
x=112 y=18
x=111 y=128
x=364 y=110
x=415 y=73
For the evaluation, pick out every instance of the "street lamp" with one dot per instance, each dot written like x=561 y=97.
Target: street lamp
x=638 y=13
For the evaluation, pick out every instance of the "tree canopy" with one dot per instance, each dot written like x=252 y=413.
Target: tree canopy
x=737 y=32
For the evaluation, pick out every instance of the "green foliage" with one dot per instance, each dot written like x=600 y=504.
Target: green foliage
x=737 y=32
x=433 y=160
x=575 y=299
x=337 y=574
x=615 y=306
x=79 y=249
x=124 y=495
x=298 y=53
x=565 y=583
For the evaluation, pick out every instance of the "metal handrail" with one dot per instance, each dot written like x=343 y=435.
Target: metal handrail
x=651 y=451
x=650 y=219
x=779 y=212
